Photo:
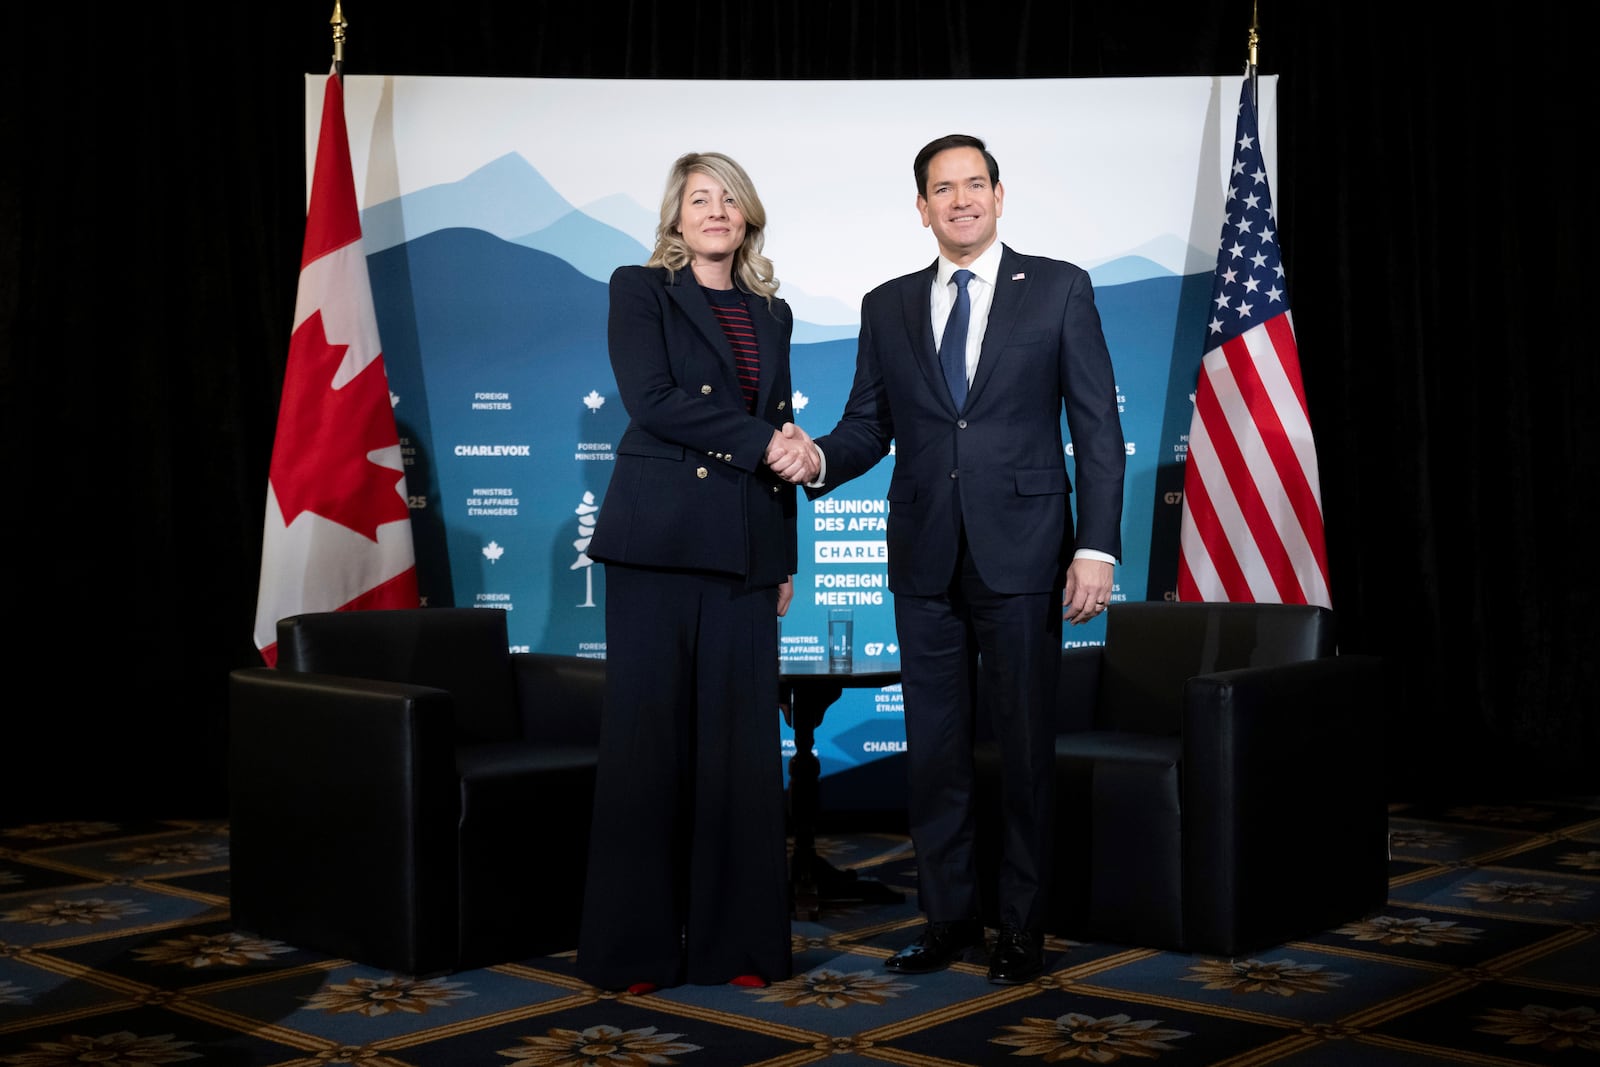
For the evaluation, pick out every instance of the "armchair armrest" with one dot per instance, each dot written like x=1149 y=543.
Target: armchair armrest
x=1258 y=720
x=355 y=733
x=560 y=698
x=1078 y=688
x=346 y=782
x=1282 y=769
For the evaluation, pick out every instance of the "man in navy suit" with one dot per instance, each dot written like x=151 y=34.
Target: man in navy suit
x=981 y=535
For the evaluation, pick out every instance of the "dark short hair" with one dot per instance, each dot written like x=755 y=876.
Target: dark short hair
x=951 y=140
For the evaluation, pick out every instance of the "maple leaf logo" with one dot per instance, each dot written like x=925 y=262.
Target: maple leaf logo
x=799 y=400
x=319 y=461
x=594 y=401
x=492 y=552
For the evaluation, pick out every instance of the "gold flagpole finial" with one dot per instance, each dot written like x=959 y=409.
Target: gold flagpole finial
x=339 y=26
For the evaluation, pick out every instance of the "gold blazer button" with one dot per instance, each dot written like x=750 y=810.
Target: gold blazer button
x=705 y=390
x=782 y=404
x=700 y=472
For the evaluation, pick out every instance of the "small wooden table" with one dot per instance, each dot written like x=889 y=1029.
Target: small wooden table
x=807 y=690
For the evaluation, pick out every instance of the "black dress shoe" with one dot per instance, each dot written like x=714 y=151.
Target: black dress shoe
x=1018 y=957
x=939 y=944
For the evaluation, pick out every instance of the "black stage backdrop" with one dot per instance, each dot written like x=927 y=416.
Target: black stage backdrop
x=152 y=209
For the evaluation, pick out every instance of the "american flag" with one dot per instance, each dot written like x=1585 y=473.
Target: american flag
x=1252 y=508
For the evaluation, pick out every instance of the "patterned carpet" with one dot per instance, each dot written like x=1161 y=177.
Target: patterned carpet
x=115 y=949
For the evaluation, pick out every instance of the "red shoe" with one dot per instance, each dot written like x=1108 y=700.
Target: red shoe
x=639 y=989
x=749 y=981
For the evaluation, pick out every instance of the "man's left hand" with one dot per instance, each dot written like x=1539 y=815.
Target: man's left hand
x=1088 y=590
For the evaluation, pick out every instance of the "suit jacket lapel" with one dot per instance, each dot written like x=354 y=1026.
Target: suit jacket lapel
x=1010 y=289
x=685 y=292
x=916 y=306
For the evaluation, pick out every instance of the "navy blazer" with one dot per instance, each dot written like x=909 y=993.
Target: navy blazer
x=690 y=489
x=1042 y=348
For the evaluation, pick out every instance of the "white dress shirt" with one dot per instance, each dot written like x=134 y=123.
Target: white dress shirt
x=980 y=295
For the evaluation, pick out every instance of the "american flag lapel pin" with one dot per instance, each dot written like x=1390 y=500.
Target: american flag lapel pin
x=1019 y=276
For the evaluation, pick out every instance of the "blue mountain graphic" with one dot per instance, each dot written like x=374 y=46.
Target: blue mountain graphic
x=1127 y=269
x=469 y=308
x=506 y=197
x=511 y=200
x=594 y=248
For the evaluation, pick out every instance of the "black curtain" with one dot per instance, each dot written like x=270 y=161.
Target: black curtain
x=152 y=207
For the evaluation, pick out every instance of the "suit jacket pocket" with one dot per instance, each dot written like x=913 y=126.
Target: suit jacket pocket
x=901 y=491
x=1043 y=482
x=640 y=444
x=1023 y=339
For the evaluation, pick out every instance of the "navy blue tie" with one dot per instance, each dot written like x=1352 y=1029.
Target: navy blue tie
x=953 y=349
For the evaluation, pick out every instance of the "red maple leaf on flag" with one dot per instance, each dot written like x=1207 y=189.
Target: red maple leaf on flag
x=326 y=471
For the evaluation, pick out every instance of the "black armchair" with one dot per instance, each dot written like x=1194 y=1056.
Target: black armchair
x=1218 y=780
x=407 y=793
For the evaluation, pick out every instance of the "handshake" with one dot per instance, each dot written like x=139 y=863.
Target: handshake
x=792 y=455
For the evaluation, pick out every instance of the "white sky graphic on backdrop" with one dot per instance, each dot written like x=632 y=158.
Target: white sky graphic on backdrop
x=832 y=160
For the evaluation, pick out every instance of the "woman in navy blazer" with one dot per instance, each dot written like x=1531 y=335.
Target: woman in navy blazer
x=687 y=878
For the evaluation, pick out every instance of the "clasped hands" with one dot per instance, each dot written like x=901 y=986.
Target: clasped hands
x=793 y=456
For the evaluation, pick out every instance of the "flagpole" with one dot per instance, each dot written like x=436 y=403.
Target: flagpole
x=339 y=26
x=1250 y=64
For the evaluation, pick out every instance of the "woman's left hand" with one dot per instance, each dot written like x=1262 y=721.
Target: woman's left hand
x=785 y=594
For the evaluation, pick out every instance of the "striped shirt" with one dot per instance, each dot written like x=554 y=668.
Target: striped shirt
x=733 y=313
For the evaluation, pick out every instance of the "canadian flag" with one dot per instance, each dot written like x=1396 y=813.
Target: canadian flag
x=337 y=534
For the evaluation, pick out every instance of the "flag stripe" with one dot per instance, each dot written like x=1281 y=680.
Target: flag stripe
x=1202 y=538
x=1232 y=452
x=1266 y=460
x=1285 y=431
x=1280 y=332
x=1270 y=387
x=1297 y=464
x=1242 y=517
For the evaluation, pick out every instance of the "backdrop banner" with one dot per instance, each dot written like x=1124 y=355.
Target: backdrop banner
x=494 y=211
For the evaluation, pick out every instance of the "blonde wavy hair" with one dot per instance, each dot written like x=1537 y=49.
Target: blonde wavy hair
x=752 y=269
